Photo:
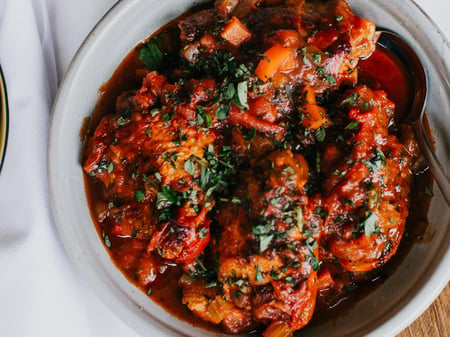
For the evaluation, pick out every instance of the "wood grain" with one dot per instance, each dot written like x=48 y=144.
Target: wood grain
x=435 y=321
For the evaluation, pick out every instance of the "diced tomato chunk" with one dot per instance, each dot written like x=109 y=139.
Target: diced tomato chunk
x=235 y=32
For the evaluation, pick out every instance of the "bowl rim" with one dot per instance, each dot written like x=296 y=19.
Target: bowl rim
x=4 y=119
x=429 y=286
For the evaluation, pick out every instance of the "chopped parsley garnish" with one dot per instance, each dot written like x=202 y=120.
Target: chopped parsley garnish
x=352 y=125
x=107 y=241
x=229 y=93
x=264 y=242
x=214 y=173
x=370 y=224
x=249 y=136
x=203 y=117
x=121 y=121
x=166 y=117
x=314 y=262
x=320 y=134
x=189 y=167
x=167 y=197
x=151 y=56
x=203 y=232
x=259 y=277
x=351 y=99
x=317 y=58
x=377 y=162
x=241 y=95
x=321 y=70
x=110 y=167
x=222 y=112
x=139 y=195
x=330 y=79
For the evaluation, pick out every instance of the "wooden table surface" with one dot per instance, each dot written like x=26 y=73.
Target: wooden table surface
x=435 y=322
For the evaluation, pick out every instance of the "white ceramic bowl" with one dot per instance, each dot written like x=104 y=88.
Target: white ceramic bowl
x=385 y=312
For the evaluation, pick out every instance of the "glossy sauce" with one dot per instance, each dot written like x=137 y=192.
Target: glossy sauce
x=385 y=71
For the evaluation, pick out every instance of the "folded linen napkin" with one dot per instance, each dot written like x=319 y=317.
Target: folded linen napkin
x=40 y=292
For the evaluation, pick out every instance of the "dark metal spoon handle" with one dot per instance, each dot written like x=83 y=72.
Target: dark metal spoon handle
x=434 y=164
x=409 y=57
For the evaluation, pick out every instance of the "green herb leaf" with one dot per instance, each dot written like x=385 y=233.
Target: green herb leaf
x=317 y=58
x=314 y=262
x=107 y=241
x=121 y=121
x=110 y=167
x=211 y=284
x=229 y=92
x=370 y=224
x=348 y=202
x=261 y=229
x=154 y=112
x=320 y=134
x=208 y=120
x=166 y=197
x=189 y=167
x=350 y=288
x=250 y=135
x=166 y=117
x=203 y=232
x=320 y=70
x=380 y=155
x=352 y=125
x=330 y=79
x=377 y=162
x=264 y=242
x=242 y=94
x=222 y=112
x=351 y=99
x=151 y=56
x=139 y=195
x=259 y=277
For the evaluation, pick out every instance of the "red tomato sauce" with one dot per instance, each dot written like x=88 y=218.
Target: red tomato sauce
x=384 y=70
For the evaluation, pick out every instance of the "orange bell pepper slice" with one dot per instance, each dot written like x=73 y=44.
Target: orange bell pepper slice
x=273 y=60
x=314 y=116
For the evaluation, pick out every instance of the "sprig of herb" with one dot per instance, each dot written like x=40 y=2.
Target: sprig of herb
x=151 y=55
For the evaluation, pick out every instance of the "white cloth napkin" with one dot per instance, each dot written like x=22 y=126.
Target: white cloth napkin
x=40 y=292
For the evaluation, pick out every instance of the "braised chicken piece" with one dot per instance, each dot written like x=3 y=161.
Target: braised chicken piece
x=366 y=190
x=267 y=250
x=150 y=159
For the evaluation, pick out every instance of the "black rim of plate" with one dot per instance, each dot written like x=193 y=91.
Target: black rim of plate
x=4 y=120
